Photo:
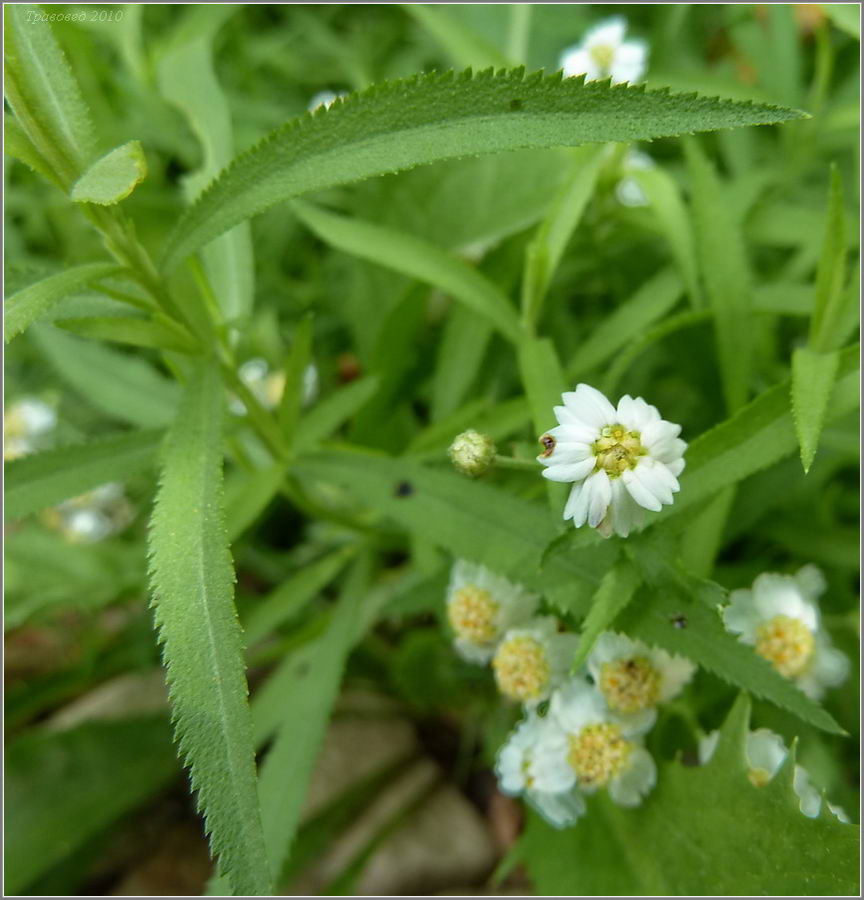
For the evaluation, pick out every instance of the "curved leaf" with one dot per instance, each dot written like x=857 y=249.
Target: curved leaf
x=401 y=124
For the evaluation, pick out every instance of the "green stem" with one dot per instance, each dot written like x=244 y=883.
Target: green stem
x=511 y=462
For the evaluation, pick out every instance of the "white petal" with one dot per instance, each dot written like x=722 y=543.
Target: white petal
x=567 y=452
x=829 y=667
x=607 y=648
x=577 y=704
x=559 y=810
x=578 y=62
x=639 y=492
x=636 y=780
x=741 y=615
x=839 y=813
x=570 y=471
x=657 y=479
x=590 y=406
x=637 y=723
x=779 y=595
x=574 y=505
x=630 y=61
x=809 y=797
x=659 y=432
x=474 y=653
x=601 y=494
x=675 y=672
x=607 y=33
x=576 y=430
x=676 y=467
x=765 y=750
x=707 y=746
x=811 y=581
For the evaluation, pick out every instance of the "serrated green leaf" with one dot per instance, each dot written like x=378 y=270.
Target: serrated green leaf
x=113 y=177
x=615 y=592
x=402 y=124
x=648 y=304
x=43 y=93
x=187 y=79
x=136 y=331
x=724 y=266
x=37 y=300
x=831 y=299
x=64 y=788
x=813 y=377
x=415 y=258
x=43 y=479
x=125 y=387
x=192 y=585
x=703 y=830
x=754 y=438
x=544 y=253
x=19 y=146
x=333 y=411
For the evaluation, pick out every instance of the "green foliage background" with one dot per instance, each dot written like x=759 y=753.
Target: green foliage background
x=448 y=249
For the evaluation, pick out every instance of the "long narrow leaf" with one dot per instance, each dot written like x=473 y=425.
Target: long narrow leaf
x=192 y=580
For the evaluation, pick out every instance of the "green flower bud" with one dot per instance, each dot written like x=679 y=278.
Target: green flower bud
x=472 y=453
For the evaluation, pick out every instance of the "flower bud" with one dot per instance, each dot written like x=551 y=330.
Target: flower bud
x=472 y=453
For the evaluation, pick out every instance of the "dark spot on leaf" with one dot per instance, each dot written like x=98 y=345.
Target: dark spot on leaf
x=515 y=104
x=404 y=489
x=679 y=621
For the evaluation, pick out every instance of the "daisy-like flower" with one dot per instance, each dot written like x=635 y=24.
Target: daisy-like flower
x=523 y=770
x=634 y=677
x=628 y=190
x=765 y=753
x=621 y=460
x=481 y=607
x=27 y=426
x=779 y=617
x=268 y=386
x=604 y=53
x=599 y=748
x=533 y=659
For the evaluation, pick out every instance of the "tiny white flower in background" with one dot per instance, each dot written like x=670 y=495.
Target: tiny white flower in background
x=522 y=769
x=533 y=659
x=765 y=753
x=604 y=53
x=633 y=676
x=779 y=617
x=481 y=607
x=325 y=99
x=268 y=386
x=93 y=516
x=600 y=749
x=621 y=460
x=628 y=190
x=27 y=426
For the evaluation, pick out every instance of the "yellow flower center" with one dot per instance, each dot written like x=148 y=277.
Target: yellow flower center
x=472 y=614
x=598 y=753
x=617 y=449
x=521 y=668
x=630 y=685
x=759 y=777
x=603 y=55
x=786 y=643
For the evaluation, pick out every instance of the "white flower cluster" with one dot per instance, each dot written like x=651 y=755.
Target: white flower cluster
x=604 y=53
x=27 y=426
x=591 y=735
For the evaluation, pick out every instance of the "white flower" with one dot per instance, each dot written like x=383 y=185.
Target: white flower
x=268 y=386
x=632 y=676
x=765 y=753
x=27 y=425
x=604 y=53
x=523 y=768
x=621 y=459
x=533 y=659
x=325 y=99
x=779 y=616
x=628 y=190
x=481 y=607
x=601 y=749
x=92 y=516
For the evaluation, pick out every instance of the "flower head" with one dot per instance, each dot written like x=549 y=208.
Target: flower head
x=633 y=676
x=602 y=749
x=621 y=460
x=532 y=660
x=604 y=53
x=766 y=753
x=472 y=453
x=779 y=617
x=530 y=764
x=93 y=516
x=27 y=426
x=481 y=607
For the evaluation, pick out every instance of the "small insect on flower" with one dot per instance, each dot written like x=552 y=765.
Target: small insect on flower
x=522 y=771
x=633 y=676
x=472 y=453
x=532 y=660
x=766 y=753
x=622 y=460
x=779 y=617
x=604 y=53
x=481 y=607
x=27 y=426
x=601 y=749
